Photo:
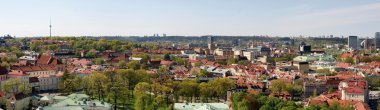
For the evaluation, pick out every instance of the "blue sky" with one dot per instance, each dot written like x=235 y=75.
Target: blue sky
x=190 y=17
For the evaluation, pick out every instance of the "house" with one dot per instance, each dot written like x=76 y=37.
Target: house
x=48 y=77
x=47 y=60
x=313 y=87
x=34 y=83
x=15 y=101
x=354 y=89
x=166 y=63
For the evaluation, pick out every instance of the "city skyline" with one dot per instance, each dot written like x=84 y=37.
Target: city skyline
x=191 y=18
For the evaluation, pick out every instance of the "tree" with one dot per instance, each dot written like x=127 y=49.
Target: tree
x=122 y=64
x=16 y=85
x=159 y=102
x=52 y=47
x=203 y=73
x=221 y=86
x=293 y=89
x=278 y=86
x=90 y=54
x=189 y=89
x=231 y=60
x=78 y=83
x=205 y=90
x=133 y=77
x=349 y=60
x=66 y=75
x=99 y=84
x=222 y=62
x=198 y=64
x=87 y=85
x=69 y=86
x=118 y=87
x=243 y=105
x=166 y=57
x=98 y=61
x=179 y=61
x=143 y=103
x=133 y=65
x=162 y=75
x=323 y=71
x=244 y=62
x=142 y=88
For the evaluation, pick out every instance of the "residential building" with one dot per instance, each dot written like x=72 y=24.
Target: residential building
x=224 y=52
x=303 y=48
x=210 y=39
x=48 y=77
x=313 y=87
x=354 y=89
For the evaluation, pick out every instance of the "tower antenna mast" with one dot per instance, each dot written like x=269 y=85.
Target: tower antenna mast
x=50 y=27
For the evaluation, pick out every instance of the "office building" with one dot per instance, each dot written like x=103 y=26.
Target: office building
x=211 y=39
x=367 y=43
x=236 y=42
x=353 y=42
x=377 y=40
x=303 y=48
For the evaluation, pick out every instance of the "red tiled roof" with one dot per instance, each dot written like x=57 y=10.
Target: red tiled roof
x=345 y=55
x=44 y=59
x=164 y=62
x=33 y=68
x=193 y=61
x=47 y=60
x=359 y=105
x=343 y=65
x=354 y=90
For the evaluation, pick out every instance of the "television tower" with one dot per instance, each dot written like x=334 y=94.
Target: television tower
x=50 y=27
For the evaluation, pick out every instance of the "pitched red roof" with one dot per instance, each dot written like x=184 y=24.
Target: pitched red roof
x=343 y=65
x=345 y=55
x=47 y=60
x=164 y=62
x=354 y=90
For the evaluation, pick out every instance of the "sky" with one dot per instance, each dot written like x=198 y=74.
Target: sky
x=24 y=18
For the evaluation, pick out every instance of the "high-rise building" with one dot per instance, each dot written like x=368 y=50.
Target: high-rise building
x=377 y=40
x=353 y=42
x=292 y=42
x=367 y=43
x=303 y=48
x=211 y=40
x=236 y=42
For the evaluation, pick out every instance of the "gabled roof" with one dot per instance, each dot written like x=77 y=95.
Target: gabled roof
x=47 y=60
x=354 y=90
x=164 y=62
